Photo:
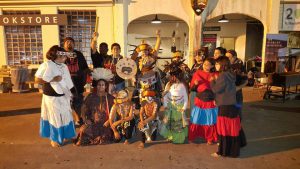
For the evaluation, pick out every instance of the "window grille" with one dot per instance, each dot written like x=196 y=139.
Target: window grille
x=24 y=43
x=81 y=25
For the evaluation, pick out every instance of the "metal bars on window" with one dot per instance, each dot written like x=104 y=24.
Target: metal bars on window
x=24 y=43
x=81 y=25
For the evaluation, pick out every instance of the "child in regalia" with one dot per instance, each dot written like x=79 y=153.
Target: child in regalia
x=148 y=123
x=175 y=125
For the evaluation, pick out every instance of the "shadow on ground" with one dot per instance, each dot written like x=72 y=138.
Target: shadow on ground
x=271 y=127
x=19 y=112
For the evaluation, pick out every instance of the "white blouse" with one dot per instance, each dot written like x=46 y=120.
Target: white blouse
x=48 y=70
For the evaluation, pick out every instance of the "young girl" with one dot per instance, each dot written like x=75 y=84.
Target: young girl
x=199 y=58
x=174 y=126
x=56 y=114
x=204 y=113
x=228 y=121
x=198 y=65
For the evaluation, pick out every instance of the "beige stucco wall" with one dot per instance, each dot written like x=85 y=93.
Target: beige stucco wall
x=3 y=51
x=49 y=31
x=232 y=30
x=266 y=11
x=115 y=18
x=177 y=8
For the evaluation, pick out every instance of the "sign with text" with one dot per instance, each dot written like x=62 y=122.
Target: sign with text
x=291 y=17
x=212 y=28
x=49 y=19
x=210 y=41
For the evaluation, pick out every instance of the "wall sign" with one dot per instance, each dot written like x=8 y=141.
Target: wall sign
x=291 y=17
x=212 y=28
x=50 y=19
x=210 y=41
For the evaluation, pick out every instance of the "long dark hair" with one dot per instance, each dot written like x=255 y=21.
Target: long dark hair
x=224 y=64
x=95 y=83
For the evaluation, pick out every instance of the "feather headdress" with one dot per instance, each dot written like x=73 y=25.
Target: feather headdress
x=101 y=73
x=173 y=68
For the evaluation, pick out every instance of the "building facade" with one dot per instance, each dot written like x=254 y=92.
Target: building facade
x=28 y=44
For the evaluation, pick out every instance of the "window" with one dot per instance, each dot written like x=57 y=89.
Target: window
x=24 y=43
x=81 y=25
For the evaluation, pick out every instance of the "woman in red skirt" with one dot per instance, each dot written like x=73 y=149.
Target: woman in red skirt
x=228 y=121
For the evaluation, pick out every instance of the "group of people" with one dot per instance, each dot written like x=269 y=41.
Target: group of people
x=108 y=113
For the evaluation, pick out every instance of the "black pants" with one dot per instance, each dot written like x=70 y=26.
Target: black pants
x=127 y=131
x=76 y=104
x=142 y=136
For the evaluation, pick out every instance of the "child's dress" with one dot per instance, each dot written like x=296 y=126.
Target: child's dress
x=204 y=112
x=174 y=125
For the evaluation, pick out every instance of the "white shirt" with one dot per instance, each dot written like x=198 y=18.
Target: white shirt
x=48 y=70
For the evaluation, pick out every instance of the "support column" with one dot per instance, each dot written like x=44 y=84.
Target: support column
x=120 y=14
x=195 y=35
x=105 y=27
x=271 y=26
x=50 y=33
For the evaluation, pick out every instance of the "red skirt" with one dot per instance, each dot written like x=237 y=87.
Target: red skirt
x=209 y=133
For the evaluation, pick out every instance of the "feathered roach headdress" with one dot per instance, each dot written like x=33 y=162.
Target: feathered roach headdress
x=174 y=68
x=101 y=73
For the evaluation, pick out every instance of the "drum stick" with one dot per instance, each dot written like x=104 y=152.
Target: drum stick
x=97 y=23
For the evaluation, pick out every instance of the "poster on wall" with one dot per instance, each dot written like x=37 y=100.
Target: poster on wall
x=276 y=50
x=294 y=40
x=210 y=41
x=291 y=17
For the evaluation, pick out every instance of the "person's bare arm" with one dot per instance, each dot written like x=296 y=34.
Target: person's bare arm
x=112 y=116
x=141 y=113
x=158 y=41
x=94 y=42
x=113 y=124
x=41 y=81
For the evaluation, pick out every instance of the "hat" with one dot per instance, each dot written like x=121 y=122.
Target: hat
x=174 y=68
x=101 y=73
x=178 y=53
x=144 y=46
x=148 y=93
x=122 y=96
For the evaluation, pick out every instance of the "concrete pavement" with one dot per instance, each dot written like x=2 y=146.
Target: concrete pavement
x=272 y=129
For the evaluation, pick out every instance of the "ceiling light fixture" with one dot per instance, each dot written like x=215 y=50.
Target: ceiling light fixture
x=223 y=19
x=156 y=20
